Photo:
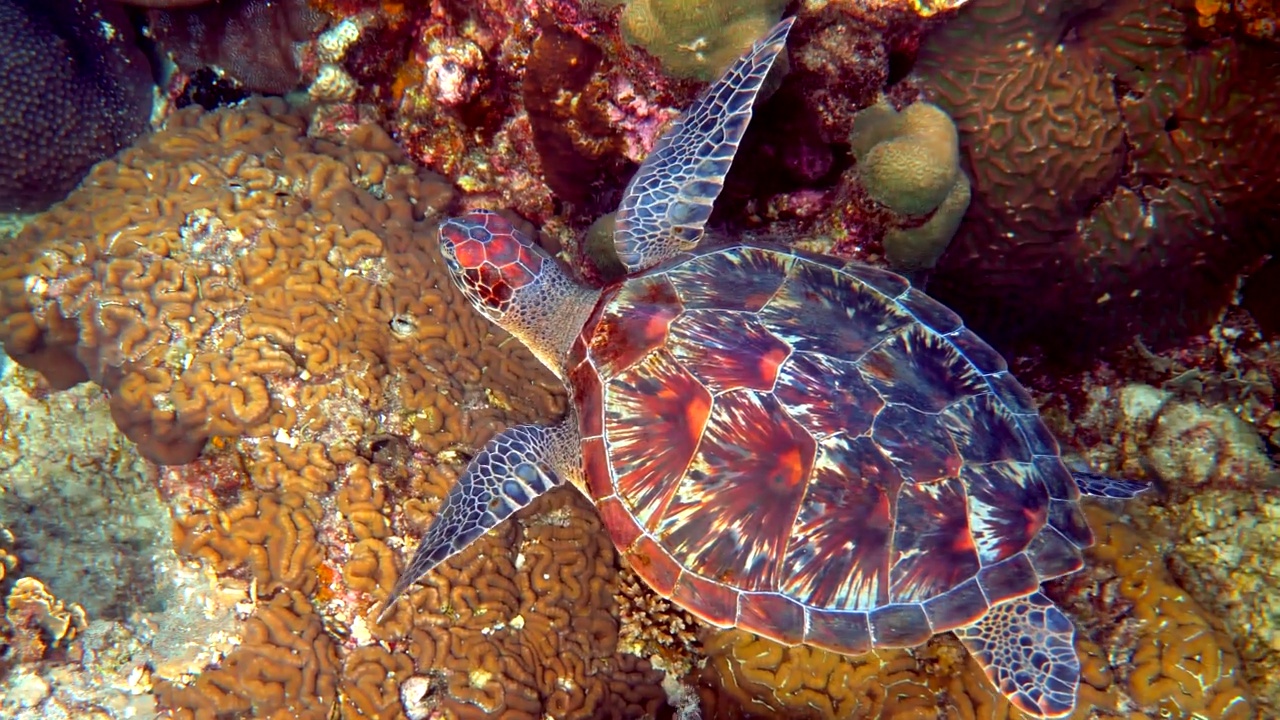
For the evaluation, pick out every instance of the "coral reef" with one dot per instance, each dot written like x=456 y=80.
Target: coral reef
x=909 y=162
x=374 y=403
x=1202 y=431
x=1110 y=180
x=62 y=500
x=207 y=315
x=254 y=43
x=73 y=90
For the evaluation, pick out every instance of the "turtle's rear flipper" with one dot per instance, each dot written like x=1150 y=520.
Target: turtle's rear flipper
x=1108 y=487
x=665 y=208
x=516 y=466
x=1026 y=648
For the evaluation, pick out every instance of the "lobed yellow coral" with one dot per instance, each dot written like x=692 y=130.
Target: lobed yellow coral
x=909 y=162
x=38 y=621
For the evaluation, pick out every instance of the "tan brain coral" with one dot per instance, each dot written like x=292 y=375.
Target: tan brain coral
x=232 y=278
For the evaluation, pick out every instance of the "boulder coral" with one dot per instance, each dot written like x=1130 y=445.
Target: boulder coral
x=909 y=162
x=697 y=38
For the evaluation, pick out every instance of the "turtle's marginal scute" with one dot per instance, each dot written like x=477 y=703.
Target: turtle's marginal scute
x=774 y=616
x=842 y=632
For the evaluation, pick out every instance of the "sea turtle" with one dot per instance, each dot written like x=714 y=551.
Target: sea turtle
x=812 y=451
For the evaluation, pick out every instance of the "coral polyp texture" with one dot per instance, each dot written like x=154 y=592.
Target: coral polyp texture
x=62 y=111
x=1112 y=178
x=697 y=38
x=909 y=163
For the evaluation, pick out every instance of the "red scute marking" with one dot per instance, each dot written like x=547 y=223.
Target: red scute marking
x=772 y=616
x=658 y=569
x=933 y=550
x=595 y=464
x=634 y=324
x=725 y=350
x=838 y=556
x=619 y=522
x=653 y=418
x=735 y=509
x=1008 y=504
x=713 y=602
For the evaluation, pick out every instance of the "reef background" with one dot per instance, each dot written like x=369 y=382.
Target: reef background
x=236 y=382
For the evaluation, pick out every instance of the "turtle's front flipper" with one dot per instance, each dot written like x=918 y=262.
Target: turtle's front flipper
x=667 y=203
x=1108 y=487
x=1026 y=648
x=516 y=466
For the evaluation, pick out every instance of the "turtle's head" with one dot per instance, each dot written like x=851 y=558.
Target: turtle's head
x=515 y=284
x=492 y=261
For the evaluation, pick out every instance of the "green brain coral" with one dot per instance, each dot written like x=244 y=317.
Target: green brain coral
x=698 y=38
x=909 y=162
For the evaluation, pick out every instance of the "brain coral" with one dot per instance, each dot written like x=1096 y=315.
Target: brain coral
x=1116 y=169
x=240 y=256
x=227 y=262
x=70 y=95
